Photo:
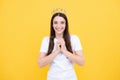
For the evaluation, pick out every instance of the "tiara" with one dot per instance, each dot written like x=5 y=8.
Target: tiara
x=59 y=10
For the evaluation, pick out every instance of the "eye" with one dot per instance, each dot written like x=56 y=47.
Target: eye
x=62 y=22
x=55 y=22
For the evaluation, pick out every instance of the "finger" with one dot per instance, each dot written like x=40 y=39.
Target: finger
x=58 y=42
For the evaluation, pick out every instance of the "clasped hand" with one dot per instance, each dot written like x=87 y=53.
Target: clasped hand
x=61 y=47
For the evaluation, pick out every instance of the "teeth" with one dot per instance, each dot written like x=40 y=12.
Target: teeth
x=59 y=29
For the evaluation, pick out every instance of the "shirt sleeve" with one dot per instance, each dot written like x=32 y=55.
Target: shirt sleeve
x=77 y=43
x=44 y=45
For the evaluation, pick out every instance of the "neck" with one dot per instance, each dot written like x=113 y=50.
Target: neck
x=58 y=36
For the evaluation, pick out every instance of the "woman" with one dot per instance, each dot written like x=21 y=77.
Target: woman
x=60 y=50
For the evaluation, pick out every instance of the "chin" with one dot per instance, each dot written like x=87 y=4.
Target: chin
x=59 y=32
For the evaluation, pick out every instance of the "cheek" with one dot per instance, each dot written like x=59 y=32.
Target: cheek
x=54 y=25
x=64 y=26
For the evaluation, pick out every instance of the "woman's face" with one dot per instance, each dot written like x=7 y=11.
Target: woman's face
x=59 y=24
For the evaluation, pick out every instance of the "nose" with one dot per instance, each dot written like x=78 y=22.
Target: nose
x=58 y=25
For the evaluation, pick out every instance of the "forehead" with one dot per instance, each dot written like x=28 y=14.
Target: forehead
x=58 y=18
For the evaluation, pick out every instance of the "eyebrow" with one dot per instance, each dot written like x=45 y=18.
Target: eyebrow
x=57 y=21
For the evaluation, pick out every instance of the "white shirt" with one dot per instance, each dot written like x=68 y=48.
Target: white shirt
x=61 y=67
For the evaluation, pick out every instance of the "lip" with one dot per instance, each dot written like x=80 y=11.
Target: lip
x=59 y=29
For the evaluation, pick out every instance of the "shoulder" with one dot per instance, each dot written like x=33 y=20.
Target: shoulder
x=46 y=38
x=74 y=36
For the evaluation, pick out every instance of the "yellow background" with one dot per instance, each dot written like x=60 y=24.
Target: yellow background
x=23 y=24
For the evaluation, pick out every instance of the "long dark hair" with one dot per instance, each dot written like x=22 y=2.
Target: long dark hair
x=66 y=34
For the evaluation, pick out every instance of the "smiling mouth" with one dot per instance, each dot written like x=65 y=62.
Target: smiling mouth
x=58 y=29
